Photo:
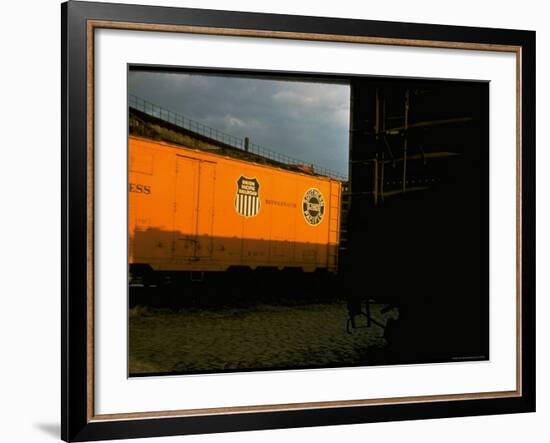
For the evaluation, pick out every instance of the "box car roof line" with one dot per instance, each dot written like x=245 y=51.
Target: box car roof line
x=266 y=166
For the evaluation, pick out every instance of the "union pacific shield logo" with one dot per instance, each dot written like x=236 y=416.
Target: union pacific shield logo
x=247 y=200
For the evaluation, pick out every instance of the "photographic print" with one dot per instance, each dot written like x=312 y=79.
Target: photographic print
x=268 y=220
x=283 y=221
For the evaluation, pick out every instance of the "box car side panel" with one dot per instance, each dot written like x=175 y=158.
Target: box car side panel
x=262 y=237
x=151 y=175
x=278 y=235
x=334 y=224
x=196 y=218
x=314 y=245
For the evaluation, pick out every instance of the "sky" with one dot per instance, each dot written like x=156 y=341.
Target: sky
x=304 y=120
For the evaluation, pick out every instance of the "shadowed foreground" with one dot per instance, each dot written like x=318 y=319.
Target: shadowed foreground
x=261 y=337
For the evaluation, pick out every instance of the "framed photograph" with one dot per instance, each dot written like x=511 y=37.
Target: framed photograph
x=277 y=221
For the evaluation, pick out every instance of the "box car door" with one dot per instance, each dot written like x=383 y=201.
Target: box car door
x=185 y=207
x=193 y=208
x=205 y=209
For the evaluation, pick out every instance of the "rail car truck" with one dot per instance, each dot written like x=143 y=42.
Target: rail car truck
x=195 y=210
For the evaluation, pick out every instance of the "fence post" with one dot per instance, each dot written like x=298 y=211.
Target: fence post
x=246 y=143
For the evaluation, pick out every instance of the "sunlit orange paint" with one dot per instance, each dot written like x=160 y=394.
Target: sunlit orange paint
x=183 y=214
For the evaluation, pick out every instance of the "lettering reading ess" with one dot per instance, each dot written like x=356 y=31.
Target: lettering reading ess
x=139 y=188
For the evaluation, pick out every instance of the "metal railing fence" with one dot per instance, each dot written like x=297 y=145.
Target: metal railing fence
x=194 y=126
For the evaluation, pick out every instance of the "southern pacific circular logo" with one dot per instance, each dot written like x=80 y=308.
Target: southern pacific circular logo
x=313 y=206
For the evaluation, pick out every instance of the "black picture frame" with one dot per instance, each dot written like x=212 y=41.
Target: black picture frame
x=77 y=419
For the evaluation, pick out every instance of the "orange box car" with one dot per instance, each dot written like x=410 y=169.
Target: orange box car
x=192 y=210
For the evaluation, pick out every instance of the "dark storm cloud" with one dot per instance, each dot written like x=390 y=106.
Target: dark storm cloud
x=304 y=120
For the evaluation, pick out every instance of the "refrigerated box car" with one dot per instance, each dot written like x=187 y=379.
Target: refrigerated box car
x=193 y=210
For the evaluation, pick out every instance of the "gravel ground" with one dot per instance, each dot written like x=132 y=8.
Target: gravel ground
x=260 y=337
